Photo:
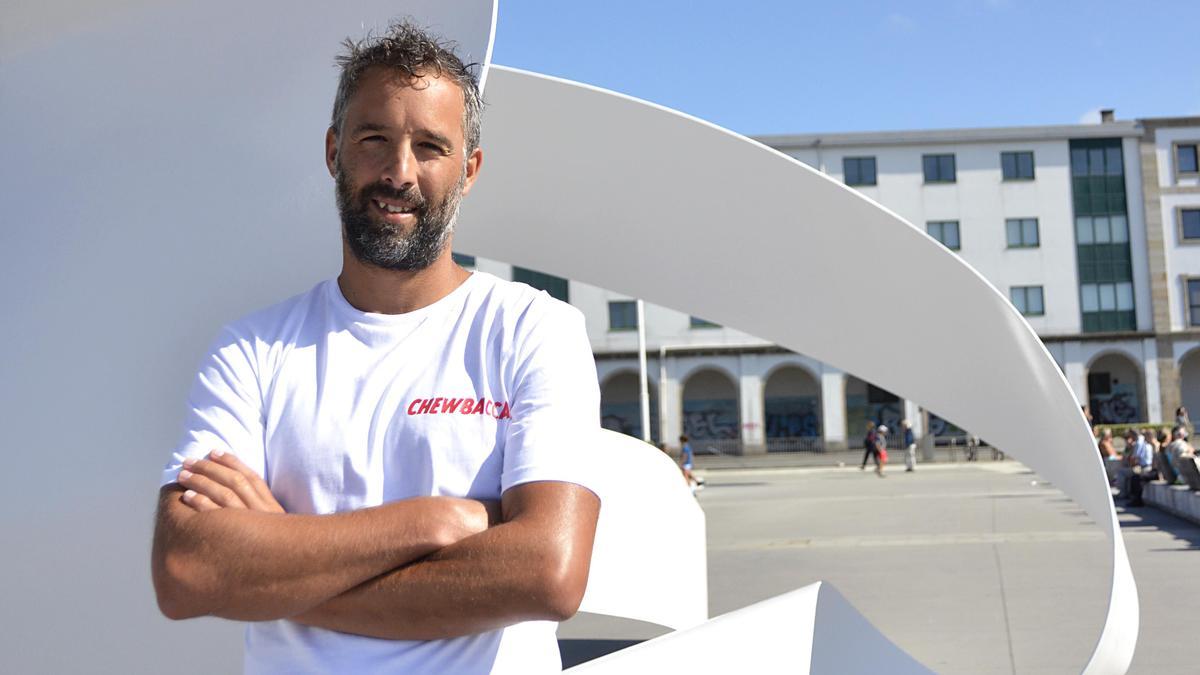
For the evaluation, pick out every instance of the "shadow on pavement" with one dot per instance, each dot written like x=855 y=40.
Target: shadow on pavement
x=577 y=651
x=1148 y=517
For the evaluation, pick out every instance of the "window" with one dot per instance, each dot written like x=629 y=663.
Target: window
x=1017 y=165
x=945 y=231
x=1027 y=300
x=1022 y=232
x=697 y=322
x=938 y=168
x=859 y=170
x=1107 y=297
x=1112 y=229
x=1189 y=224
x=1186 y=159
x=1193 y=289
x=555 y=286
x=622 y=315
x=464 y=260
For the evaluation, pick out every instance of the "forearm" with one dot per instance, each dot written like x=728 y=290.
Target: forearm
x=521 y=570
x=247 y=565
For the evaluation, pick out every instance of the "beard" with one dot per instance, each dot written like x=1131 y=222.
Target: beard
x=374 y=241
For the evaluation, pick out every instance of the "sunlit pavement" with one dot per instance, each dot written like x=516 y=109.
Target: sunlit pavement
x=971 y=567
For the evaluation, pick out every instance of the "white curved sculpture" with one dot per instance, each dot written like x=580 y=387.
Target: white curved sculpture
x=157 y=184
x=636 y=194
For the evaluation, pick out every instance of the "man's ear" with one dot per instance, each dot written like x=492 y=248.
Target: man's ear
x=474 y=162
x=331 y=146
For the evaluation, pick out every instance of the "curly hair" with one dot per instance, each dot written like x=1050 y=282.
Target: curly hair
x=414 y=53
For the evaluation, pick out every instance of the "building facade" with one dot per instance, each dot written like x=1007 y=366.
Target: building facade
x=1090 y=230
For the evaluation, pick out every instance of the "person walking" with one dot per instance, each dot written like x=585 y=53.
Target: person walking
x=910 y=446
x=881 y=457
x=687 y=460
x=869 y=449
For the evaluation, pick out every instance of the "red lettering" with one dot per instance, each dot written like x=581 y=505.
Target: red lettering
x=479 y=407
x=451 y=405
x=468 y=406
x=425 y=406
x=506 y=413
x=436 y=402
x=489 y=410
x=412 y=407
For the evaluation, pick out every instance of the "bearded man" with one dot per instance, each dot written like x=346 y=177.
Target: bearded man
x=384 y=474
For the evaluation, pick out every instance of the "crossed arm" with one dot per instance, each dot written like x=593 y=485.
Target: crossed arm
x=423 y=568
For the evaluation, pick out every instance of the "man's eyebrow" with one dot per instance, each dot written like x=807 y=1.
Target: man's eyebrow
x=368 y=126
x=439 y=139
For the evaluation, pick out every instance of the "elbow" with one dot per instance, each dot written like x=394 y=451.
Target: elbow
x=176 y=587
x=564 y=590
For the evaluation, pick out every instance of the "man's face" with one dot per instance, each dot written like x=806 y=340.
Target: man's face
x=400 y=169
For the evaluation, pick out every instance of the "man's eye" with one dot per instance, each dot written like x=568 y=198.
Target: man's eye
x=435 y=147
x=376 y=137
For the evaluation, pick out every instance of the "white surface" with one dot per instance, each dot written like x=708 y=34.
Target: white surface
x=649 y=561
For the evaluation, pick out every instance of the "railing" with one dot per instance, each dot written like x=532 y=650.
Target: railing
x=796 y=444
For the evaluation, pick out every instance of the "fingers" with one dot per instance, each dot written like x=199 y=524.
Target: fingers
x=198 y=501
x=266 y=500
x=214 y=491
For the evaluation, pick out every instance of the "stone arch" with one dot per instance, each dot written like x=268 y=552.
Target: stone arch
x=1116 y=388
x=711 y=414
x=620 y=404
x=792 y=408
x=1189 y=383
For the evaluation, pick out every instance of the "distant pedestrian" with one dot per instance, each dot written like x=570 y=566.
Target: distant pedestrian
x=686 y=463
x=881 y=457
x=910 y=446
x=1182 y=419
x=869 y=449
x=972 y=448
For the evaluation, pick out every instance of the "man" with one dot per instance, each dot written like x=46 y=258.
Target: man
x=910 y=446
x=1140 y=463
x=385 y=473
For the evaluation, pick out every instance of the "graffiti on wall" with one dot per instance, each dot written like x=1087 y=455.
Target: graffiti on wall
x=711 y=418
x=792 y=417
x=627 y=418
x=1120 y=406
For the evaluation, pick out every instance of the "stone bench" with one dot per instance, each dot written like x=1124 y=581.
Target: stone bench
x=1179 y=500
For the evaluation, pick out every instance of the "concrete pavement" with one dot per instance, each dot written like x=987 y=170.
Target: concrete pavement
x=972 y=568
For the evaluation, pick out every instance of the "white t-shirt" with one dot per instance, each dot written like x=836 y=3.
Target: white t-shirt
x=492 y=386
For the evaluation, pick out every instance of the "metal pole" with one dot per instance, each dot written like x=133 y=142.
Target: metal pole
x=643 y=381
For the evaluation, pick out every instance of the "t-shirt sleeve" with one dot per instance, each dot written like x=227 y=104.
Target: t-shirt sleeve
x=555 y=403
x=224 y=408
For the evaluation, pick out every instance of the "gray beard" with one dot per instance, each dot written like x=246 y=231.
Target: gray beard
x=381 y=244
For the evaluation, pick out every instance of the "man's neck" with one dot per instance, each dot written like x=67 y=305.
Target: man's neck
x=382 y=291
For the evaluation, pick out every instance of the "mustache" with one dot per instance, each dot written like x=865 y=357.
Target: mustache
x=410 y=193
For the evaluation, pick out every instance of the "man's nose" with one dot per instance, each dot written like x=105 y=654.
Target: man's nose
x=401 y=169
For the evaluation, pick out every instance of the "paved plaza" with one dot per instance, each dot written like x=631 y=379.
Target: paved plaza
x=978 y=568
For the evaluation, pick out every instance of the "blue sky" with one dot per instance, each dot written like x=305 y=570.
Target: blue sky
x=858 y=65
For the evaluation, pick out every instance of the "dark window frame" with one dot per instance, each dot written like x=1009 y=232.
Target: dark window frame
x=855 y=177
x=1193 y=309
x=939 y=167
x=1024 y=291
x=941 y=224
x=1181 y=214
x=625 y=308
x=1021 y=243
x=1195 y=148
x=1016 y=174
x=697 y=322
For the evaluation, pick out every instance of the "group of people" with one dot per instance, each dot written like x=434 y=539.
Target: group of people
x=1149 y=455
x=875 y=447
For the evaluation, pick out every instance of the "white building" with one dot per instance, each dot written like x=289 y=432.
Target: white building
x=1171 y=185
x=1053 y=216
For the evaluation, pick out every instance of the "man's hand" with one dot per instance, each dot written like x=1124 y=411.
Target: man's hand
x=223 y=481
